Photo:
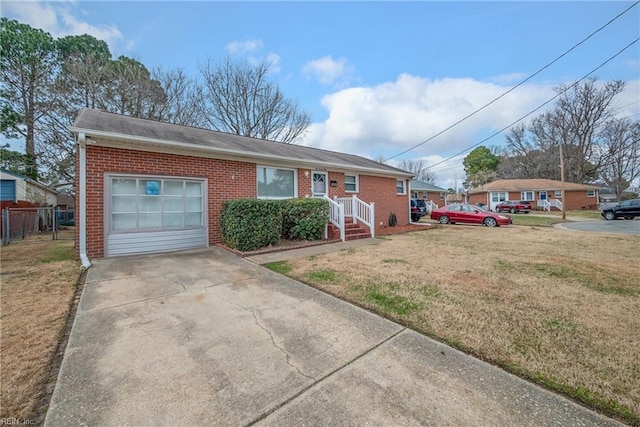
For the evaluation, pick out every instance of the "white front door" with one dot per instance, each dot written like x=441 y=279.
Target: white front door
x=319 y=184
x=497 y=198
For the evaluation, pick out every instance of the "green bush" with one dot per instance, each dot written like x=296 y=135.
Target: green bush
x=249 y=224
x=304 y=219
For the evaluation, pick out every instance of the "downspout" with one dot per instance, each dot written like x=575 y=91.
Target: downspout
x=82 y=201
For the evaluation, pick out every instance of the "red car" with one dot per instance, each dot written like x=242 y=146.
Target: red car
x=514 y=206
x=470 y=214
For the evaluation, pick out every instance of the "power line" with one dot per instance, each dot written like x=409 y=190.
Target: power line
x=516 y=86
x=539 y=107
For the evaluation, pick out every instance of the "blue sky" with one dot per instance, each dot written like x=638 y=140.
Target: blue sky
x=376 y=77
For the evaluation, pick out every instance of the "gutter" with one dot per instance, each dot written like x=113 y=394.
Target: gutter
x=82 y=202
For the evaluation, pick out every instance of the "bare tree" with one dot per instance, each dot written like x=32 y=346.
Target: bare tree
x=184 y=102
x=577 y=122
x=379 y=158
x=419 y=168
x=241 y=100
x=621 y=154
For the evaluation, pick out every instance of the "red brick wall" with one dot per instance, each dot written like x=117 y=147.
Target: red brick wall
x=226 y=180
x=573 y=199
x=380 y=190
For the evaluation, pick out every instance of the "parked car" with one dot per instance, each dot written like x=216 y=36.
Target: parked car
x=514 y=206
x=469 y=214
x=418 y=209
x=627 y=209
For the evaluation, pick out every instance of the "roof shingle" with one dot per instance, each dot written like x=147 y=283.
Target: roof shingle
x=103 y=123
x=529 y=185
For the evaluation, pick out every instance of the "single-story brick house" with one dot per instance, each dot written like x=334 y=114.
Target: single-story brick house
x=424 y=190
x=144 y=186
x=542 y=193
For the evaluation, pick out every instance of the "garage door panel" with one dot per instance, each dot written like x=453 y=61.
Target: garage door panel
x=163 y=241
x=146 y=214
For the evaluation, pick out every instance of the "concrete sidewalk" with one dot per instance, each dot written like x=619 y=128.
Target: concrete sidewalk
x=206 y=338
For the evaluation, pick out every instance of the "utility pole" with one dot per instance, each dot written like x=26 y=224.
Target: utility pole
x=564 y=212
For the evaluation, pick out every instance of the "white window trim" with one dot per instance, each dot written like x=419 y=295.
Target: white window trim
x=523 y=196
x=593 y=193
x=404 y=187
x=357 y=190
x=557 y=194
x=295 y=182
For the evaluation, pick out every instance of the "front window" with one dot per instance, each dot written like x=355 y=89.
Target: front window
x=351 y=183
x=400 y=187
x=591 y=193
x=558 y=194
x=498 y=197
x=527 y=196
x=276 y=183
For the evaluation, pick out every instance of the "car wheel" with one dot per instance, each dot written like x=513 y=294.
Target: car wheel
x=444 y=219
x=490 y=222
x=512 y=210
x=609 y=216
x=414 y=218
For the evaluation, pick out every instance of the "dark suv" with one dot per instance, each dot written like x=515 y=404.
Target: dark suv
x=627 y=209
x=418 y=209
x=514 y=206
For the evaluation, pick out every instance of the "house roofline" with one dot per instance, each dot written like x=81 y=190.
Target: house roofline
x=173 y=147
x=30 y=180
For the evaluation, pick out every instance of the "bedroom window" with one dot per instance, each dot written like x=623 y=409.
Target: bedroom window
x=351 y=183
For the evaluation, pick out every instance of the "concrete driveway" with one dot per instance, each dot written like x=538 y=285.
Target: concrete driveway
x=602 y=226
x=206 y=338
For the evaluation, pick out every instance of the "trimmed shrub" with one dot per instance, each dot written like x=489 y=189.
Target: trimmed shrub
x=250 y=224
x=304 y=219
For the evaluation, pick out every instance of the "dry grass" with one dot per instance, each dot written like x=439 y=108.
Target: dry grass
x=37 y=288
x=560 y=308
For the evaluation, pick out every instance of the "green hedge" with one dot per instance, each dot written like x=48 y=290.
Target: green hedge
x=304 y=219
x=250 y=224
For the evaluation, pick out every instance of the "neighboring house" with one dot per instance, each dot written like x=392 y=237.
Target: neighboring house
x=543 y=193
x=19 y=191
x=426 y=191
x=144 y=186
x=65 y=201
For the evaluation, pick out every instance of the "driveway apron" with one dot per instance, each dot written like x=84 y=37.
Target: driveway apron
x=204 y=337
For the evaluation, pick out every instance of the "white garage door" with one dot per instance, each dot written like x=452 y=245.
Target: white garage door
x=154 y=214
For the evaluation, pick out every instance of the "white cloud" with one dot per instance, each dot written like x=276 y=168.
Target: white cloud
x=328 y=70
x=389 y=118
x=59 y=20
x=512 y=78
x=242 y=47
x=273 y=60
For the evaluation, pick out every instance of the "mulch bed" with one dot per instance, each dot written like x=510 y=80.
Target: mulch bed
x=285 y=245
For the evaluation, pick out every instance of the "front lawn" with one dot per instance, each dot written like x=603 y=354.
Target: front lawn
x=558 y=308
x=38 y=283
